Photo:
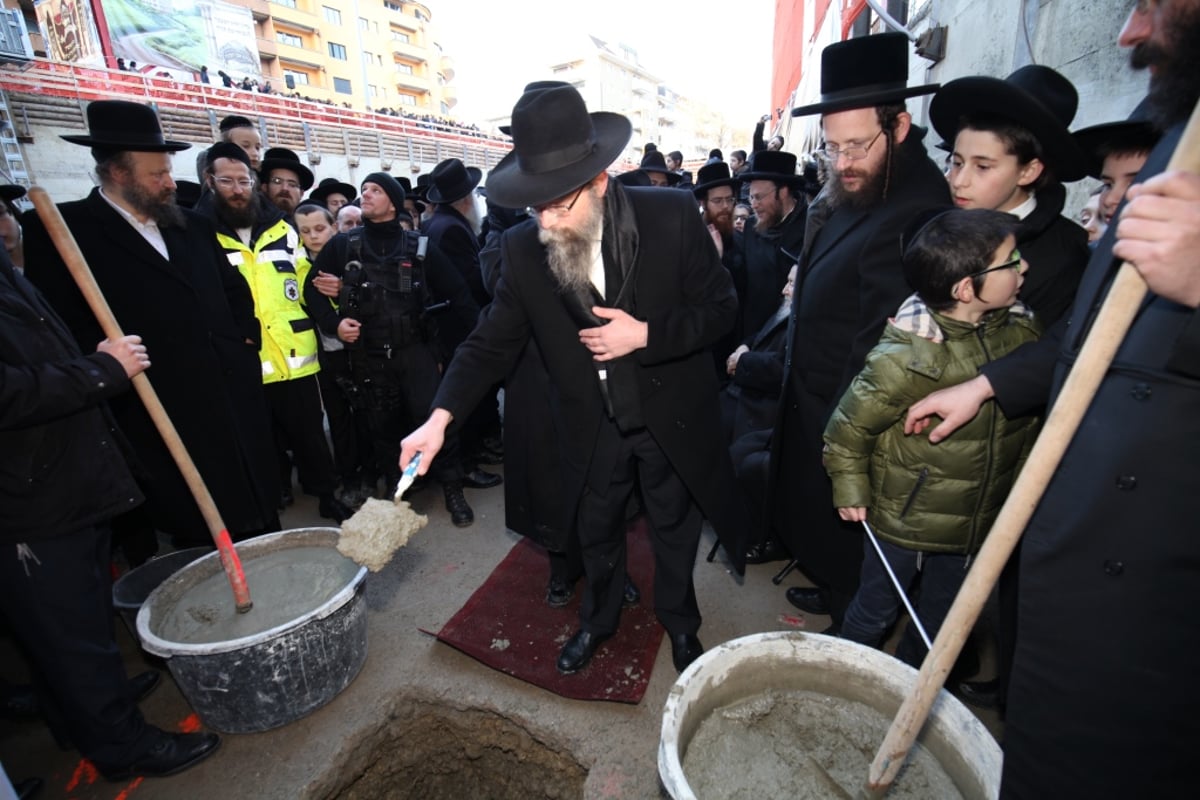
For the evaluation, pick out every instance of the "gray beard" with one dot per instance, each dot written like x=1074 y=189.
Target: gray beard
x=569 y=251
x=164 y=212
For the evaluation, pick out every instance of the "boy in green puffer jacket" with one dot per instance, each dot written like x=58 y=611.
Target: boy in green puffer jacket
x=931 y=506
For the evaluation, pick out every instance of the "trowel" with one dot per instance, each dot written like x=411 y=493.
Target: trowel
x=407 y=477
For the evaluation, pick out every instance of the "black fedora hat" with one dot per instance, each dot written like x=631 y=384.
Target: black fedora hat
x=534 y=86
x=864 y=72
x=710 y=176
x=654 y=161
x=282 y=158
x=1131 y=135
x=772 y=165
x=557 y=146
x=1034 y=97
x=423 y=185
x=329 y=186
x=634 y=177
x=124 y=126
x=409 y=194
x=451 y=181
x=10 y=192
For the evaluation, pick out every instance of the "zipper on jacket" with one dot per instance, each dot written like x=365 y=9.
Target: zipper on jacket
x=991 y=437
x=921 y=476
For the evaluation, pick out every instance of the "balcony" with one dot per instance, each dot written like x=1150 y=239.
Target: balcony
x=295 y=18
x=259 y=9
x=412 y=83
x=299 y=56
x=410 y=52
x=267 y=50
x=447 y=67
x=450 y=96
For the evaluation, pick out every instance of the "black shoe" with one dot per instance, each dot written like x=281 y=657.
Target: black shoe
x=765 y=552
x=330 y=507
x=559 y=593
x=813 y=601
x=142 y=684
x=20 y=703
x=460 y=511
x=631 y=594
x=685 y=648
x=28 y=788
x=478 y=479
x=173 y=752
x=982 y=694
x=578 y=651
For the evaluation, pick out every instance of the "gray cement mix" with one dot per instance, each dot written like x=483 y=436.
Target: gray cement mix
x=285 y=585
x=377 y=530
x=802 y=745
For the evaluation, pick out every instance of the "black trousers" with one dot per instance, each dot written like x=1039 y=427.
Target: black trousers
x=58 y=602
x=296 y=413
x=674 y=521
x=347 y=426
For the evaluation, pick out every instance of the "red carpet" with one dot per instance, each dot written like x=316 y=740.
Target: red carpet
x=507 y=625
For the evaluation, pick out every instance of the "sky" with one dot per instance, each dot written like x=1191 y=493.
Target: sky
x=717 y=51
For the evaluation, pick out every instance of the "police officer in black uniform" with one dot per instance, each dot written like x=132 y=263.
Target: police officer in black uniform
x=400 y=302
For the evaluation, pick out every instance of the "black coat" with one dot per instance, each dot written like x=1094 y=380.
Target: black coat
x=195 y=315
x=61 y=464
x=849 y=282
x=1056 y=250
x=753 y=392
x=1103 y=700
x=686 y=297
x=767 y=258
x=450 y=233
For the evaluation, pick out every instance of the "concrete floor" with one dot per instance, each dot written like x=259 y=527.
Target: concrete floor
x=407 y=671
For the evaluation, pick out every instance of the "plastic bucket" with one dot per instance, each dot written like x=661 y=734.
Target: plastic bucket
x=746 y=667
x=273 y=677
x=132 y=588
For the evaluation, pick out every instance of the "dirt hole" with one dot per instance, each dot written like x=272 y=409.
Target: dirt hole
x=438 y=753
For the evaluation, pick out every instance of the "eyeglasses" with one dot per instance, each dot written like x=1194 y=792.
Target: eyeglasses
x=855 y=152
x=229 y=183
x=285 y=182
x=721 y=201
x=1014 y=264
x=557 y=211
x=758 y=198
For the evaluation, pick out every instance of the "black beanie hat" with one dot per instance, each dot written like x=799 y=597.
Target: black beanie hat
x=390 y=186
x=227 y=150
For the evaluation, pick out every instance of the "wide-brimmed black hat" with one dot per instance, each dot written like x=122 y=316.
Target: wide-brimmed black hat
x=451 y=181
x=1034 y=97
x=710 y=176
x=864 y=72
x=282 y=158
x=634 y=177
x=422 y=187
x=410 y=194
x=772 y=165
x=557 y=146
x=124 y=126
x=1097 y=141
x=534 y=86
x=654 y=161
x=329 y=186
x=10 y=192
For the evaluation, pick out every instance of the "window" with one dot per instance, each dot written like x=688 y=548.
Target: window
x=368 y=57
x=363 y=25
x=297 y=77
x=333 y=15
x=407 y=100
x=289 y=39
x=404 y=69
x=341 y=86
x=285 y=3
x=372 y=90
x=393 y=6
x=398 y=36
x=337 y=51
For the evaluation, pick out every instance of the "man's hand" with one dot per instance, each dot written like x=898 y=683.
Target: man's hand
x=1159 y=234
x=717 y=240
x=731 y=362
x=348 y=330
x=956 y=406
x=427 y=440
x=129 y=352
x=328 y=285
x=855 y=514
x=621 y=336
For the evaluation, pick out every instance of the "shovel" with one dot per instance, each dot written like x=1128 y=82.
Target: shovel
x=73 y=256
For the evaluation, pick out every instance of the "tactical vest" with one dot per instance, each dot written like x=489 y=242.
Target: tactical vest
x=289 y=340
x=386 y=293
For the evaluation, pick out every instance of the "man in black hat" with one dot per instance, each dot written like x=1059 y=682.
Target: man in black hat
x=333 y=194
x=849 y=283
x=283 y=179
x=654 y=169
x=165 y=277
x=716 y=193
x=400 y=308
x=624 y=294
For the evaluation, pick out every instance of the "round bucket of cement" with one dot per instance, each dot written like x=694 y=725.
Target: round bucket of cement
x=132 y=588
x=736 y=675
x=303 y=642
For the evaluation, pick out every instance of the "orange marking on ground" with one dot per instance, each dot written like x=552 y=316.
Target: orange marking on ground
x=85 y=772
x=189 y=724
x=128 y=790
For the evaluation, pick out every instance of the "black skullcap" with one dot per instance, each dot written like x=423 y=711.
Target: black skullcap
x=235 y=121
x=226 y=150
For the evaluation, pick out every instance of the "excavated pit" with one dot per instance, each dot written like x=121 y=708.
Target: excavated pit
x=440 y=753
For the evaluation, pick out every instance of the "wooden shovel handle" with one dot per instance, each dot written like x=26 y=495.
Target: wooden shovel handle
x=1106 y=334
x=68 y=248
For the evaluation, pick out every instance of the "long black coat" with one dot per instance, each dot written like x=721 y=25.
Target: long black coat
x=450 y=232
x=687 y=298
x=767 y=259
x=849 y=282
x=1103 y=699
x=1056 y=250
x=752 y=396
x=194 y=314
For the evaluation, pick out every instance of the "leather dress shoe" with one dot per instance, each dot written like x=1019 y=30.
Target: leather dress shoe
x=578 y=651
x=142 y=684
x=685 y=648
x=171 y=753
x=480 y=479
x=813 y=601
x=456 y=503
x=765 y=552
x=559 y=593
x=631 y=595
x=330 y=507
x=982 y=694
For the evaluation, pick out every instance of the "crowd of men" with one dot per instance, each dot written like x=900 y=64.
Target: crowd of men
x=659 y=347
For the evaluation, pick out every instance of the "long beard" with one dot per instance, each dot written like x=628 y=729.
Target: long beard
x=1175 y=86
x=869 y=195
x=234 y=217
x=722 y=221
x=161 y=207
x=569 y=250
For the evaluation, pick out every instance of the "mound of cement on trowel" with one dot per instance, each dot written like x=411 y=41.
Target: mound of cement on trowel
x=377 y=530
x=800 y=744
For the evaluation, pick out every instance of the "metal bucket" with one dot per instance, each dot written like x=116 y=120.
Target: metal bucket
x=131 y=589
x=273 y=677
x=746 y=667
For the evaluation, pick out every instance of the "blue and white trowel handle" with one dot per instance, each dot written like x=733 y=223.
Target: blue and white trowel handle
x=407 y=478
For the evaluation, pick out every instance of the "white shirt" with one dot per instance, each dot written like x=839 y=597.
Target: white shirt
x=1025 y=209
x=149 y=229
x=597 y=271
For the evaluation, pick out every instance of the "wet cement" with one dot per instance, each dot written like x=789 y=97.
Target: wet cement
x=377 y=530
x=284 y=585
x=800 y=744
